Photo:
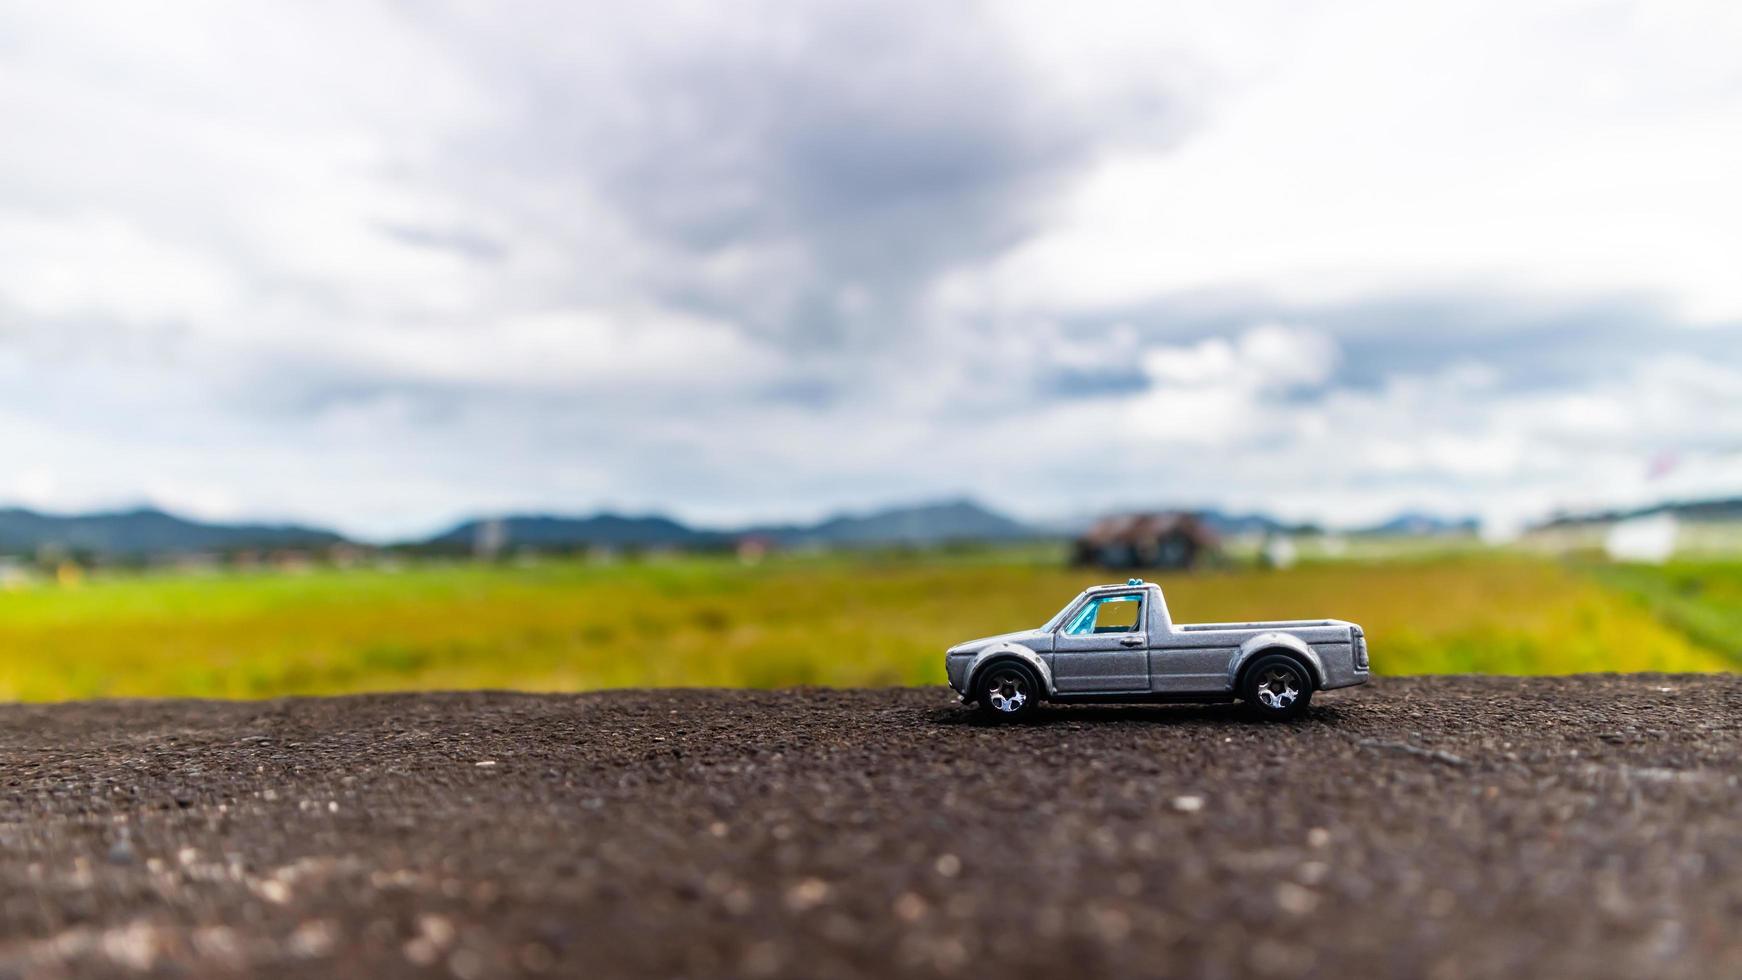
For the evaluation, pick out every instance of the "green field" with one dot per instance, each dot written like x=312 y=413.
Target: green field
x=1701 y=599
x=570 y=625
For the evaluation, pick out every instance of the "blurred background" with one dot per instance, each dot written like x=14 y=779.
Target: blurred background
x=364 y=345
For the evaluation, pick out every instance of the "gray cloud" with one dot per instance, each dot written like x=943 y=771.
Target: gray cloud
x=1528 y=342
x=466 y=242
x=840 y=158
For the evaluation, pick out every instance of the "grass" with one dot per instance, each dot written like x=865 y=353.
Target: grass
x=793 y=620
x=1701 y=599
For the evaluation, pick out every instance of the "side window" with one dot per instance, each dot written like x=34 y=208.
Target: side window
x=1108 y=614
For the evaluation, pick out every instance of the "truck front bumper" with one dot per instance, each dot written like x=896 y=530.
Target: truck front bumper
x=956 y=672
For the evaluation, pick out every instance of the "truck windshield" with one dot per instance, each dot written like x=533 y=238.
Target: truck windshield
x=1106 y=614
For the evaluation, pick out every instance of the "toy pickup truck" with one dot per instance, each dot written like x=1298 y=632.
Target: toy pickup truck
x=1118 y=643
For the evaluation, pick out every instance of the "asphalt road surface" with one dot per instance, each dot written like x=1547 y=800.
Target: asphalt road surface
x=1434 y=827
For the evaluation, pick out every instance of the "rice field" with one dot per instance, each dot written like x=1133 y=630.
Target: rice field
x=829 y=620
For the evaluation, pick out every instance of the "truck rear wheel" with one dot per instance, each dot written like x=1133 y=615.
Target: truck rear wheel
x=1007 y=691
x=1277 y=687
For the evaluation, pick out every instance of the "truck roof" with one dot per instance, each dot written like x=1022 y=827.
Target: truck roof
x=1127 y=584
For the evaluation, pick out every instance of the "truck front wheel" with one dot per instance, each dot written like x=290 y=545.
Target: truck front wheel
x=1007 y=691
x=1277 y=687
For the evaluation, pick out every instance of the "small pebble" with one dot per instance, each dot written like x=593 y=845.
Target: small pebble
x=1294 y=899
x=910 y=907
x=121 y=852
x=421 y=951
x=437 y=929
x=312 y=939
x=807 y=894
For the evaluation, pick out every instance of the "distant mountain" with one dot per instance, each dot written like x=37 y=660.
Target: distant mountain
x=1234 y=525
x=959 y=520
x=954 y=520
x=1728 y=509
x=1721 y=509
x=1237 y=525
x=542 y=531
x=146 y=532
x=1418 y=525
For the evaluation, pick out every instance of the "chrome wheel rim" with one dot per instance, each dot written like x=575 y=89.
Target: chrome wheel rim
x=1278 y=687
x=1007 y=691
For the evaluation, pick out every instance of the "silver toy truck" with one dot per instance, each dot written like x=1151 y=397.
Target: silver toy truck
x=1118 y=643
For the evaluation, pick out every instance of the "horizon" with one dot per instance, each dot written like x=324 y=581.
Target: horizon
x=1045 y=524
x=381 y=267
x=1034 y=520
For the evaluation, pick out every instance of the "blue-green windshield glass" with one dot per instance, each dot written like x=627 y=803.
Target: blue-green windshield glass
x=1084 y=622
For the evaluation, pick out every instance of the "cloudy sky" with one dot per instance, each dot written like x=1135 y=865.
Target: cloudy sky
x=383 y=265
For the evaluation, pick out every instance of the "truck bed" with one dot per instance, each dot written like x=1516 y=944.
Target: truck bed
x=1274 y=624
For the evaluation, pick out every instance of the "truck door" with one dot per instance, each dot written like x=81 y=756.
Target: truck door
x=1192 y=662
x=1103 y=646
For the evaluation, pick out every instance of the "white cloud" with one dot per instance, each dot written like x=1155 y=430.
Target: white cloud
x=1266 y=356
x=99 y=265
x=1221 y=389
x=615 y=352
x=1374 y=146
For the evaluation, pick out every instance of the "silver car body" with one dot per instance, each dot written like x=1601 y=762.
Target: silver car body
x=1160 y=660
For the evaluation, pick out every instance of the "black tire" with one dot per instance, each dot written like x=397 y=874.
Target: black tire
x=1007 y=690
x=1277 y=687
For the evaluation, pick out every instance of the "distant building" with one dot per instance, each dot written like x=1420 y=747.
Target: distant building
x=15 y=574
x=489 y=538
x=752 y=548
x=347 y=555
x=1278 y=551
x=293 y=561
x=1650 y=534
x=192 y=562
x=1169 y=539
x=1651 y=538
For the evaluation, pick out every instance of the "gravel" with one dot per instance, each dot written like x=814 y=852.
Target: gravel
x=1439 y=827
